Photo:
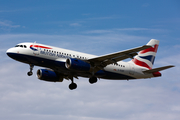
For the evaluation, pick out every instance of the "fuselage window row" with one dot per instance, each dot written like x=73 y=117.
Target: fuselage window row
x=65 y=54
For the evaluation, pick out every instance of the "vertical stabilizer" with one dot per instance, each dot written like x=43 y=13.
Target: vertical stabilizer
x=145 y=58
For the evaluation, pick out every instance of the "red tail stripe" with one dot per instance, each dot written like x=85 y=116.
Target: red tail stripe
x=140 y=63
x=151 y=49
x=40 y=46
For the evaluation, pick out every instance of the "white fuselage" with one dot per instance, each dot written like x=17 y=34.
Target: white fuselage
x=42 y=55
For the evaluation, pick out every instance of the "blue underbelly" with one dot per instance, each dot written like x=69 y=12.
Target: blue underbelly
x=38 y=61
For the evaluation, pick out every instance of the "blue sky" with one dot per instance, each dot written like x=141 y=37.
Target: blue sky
x=96 y=27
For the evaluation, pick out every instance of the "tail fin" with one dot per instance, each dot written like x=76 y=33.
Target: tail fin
x=145 y=58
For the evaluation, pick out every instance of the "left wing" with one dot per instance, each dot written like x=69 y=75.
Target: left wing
x=100 y=62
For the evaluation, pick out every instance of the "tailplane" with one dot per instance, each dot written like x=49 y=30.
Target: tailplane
x=145 y=58
x=158 y=69
x=156 y=72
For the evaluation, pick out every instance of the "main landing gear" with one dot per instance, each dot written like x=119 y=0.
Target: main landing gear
x=73 y=85
x=93 y=80
x=31 y=68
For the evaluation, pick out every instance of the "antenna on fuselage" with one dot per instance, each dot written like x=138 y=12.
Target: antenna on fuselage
x=34 y=43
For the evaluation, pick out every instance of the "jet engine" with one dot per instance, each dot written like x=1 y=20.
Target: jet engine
x=49 y=75
x=77 y=65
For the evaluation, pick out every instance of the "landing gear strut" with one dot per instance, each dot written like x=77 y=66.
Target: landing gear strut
x=73 y=85
x=31 y=68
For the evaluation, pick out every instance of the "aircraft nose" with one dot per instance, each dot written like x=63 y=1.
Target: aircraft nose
x=14 y=54
x=9 y=52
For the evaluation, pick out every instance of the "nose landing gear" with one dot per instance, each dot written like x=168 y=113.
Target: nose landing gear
x=31 y=68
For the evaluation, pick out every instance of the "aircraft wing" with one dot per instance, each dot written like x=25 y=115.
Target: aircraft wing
x=102 y=61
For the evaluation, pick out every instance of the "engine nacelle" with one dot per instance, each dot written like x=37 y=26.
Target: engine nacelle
x=77 y=65
x=48 y=75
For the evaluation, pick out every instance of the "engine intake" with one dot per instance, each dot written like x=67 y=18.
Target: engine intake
x=48 y=75
x=77 y=65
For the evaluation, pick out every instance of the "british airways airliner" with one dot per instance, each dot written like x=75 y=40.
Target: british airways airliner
x=63 y=64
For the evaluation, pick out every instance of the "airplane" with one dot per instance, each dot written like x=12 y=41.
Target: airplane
x=63 y=64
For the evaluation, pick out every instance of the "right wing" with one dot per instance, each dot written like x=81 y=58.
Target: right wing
x=102 y=61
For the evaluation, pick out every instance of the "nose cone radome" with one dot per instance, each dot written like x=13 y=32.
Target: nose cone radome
x=10 y=52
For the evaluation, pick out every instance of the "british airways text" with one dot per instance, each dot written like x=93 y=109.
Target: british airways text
x=53 y=54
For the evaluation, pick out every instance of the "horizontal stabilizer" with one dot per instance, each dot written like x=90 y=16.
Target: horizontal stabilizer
x=158 y=69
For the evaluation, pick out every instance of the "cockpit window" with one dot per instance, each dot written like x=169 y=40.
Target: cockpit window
x=23 y=46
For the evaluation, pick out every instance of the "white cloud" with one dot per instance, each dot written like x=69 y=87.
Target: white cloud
x=75 y=24
x=145 y=5
x=98 y=31
x=125 y=30
x=103 y=18
x=176 y=108
x=24 y=97
x=8 y=24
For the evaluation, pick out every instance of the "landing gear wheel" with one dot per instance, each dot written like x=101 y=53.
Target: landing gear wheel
x=93 y=80
x=72 y=86
x=29 y=73
x=31 y=68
